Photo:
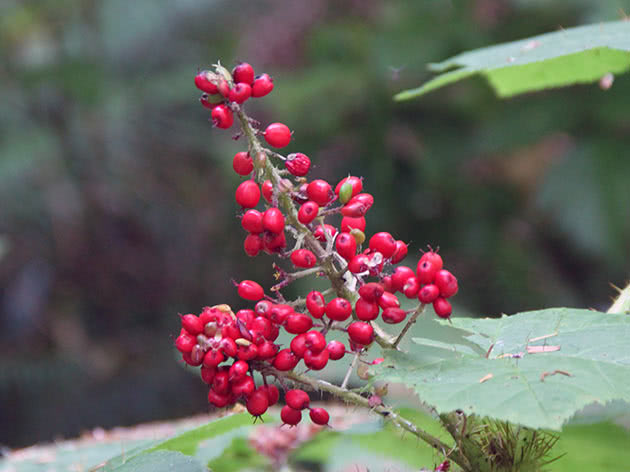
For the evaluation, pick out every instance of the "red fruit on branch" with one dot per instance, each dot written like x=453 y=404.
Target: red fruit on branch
x=384 y=243
x=263 y=85
x=303 y=258
x=192 y=324
x=298 y=164
x=400 y=253
x=400 y=276
x=243 y=387
x=253 y=245
x=242 y=163
x=240 y=93
x=426 y=271
x=315 y=304
x=338 y=309
x=290 y=416
x=356 y=185
x=434 y=258
x=273 y=220
x=446 y=282
x=298 y=323
x=298 y=345
x=285 y=360
x=315 y=341
x=320 y=192
x=359 y=264
x=250 y=290
x=428 y=293
x=203 y=83
x=349 y=223
x=319 y=416
x=319 y=232
x=308 y=212
x=346 y=245
x=388 y=300
x=277 y=134
x=252 y=221
x=185 y=343
x=411 y=287
x=247 y=194
x=222 y=117
x=219 y=400
x=442 y=307
x=361 y=333
x=336 y=350
x=366 y=311
x=393 y=315
x=316 y=360
x=257 y=403
x=297 y=399
x=267 y=190
x=272 y=393
x=243 y=73
x=371 y=292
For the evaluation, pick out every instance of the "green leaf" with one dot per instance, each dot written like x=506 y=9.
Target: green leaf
x=593 y=351
x=161 y=461
x=576 y=55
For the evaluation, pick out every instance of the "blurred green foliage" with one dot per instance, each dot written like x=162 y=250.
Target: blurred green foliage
x=117 y=209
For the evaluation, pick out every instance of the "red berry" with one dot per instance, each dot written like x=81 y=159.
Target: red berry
x=384 y=243
x=297 y=399
x=411 y=287
x=442 y=307
x=359 y=264
x=262 y=85
x=298 y=323
x=428 y=293
x=319 y=232
x=426 y=271
x=210 y=101
x=393 y=315
x=267 y=190
x=242 y=163
x=315 y=341
x=252 y=245
x=250 y=290
x=298 y=345
x=285 y=360
x=277 y=134
x=274 y=242
x=247 y=353
x=238 y=370
x=257 y=403
x=273 y=220
x=243 y=387
x=263 y=308
x=361 y=333
x=202 y=82
x=346 y=245
x=319 y=416
x=338 y=309
x=268 y=349
x=316 y=360
x=207 y=374
x=260 y=325
x=308 y=212
x=272 y=393
x=185 y=343
x=298 y=164
x=315 y=304
x=446 y=282
x=279 y=313
x=355 y=182
x=290 y=416
x=349 y=223
x=223 y=87
x=358 y=205
x=219 y=400
x=303 y=258
x=434 y=258
x=252 y=221
x=320 y=192
x=192 y=324
x=365 y=310
x=400 y=276
x=248 y=194
x=243 y=73
x=240 y=93
x=221 y=382
x=387 y=300
x=222 y=117
x=336 y=350
x=227 y=345
x=400 y=253
x=371 y=292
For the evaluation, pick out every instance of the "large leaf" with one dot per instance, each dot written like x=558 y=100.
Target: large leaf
x=590 y=363
x=162 y=461
x=568 y=56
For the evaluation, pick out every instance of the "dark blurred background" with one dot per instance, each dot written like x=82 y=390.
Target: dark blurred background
x=117 y=207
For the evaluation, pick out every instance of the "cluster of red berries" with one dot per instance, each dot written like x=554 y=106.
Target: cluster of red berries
x=248 y=337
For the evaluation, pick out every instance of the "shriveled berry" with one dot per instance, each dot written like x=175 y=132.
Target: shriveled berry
x=222 y=117
x=277 y=134
x=320 y=192
x=192 y=324
x=366 y=311
x=446 y=282
x=297 y=399
x=315 y=304
x=338 y=309
x=290 y=416
x=248 y=194
x=203 y=83
x=358 y=205
x=250 y=290
x=316 y=360
x=400 y=276
x=349 y=223
x=298 y=164
x=267 y=190
x=400 y=253
x=361 y=333
x=303 y=258
x=428 y=293
x=393 y=315
x=319 y=232
x=384 y=243
x=253 y=244
x=242 y=163
x=263 y=84
x=298 y=323
x=252 y=221
x=319 y=416
x=308 y=212
x=442 y=307
x=257 y=403
x=336 y=350
x=371 y=292
x=273 y=220
x=346 y=245
x=285 y=360
x=240 y=93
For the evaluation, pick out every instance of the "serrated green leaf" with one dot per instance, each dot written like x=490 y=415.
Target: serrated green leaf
x=509 y=384
x=575 y=55
x=162 y=461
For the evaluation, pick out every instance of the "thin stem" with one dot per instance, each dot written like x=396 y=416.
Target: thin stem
x=622 y=302
x=411 y=321
x=344 y=384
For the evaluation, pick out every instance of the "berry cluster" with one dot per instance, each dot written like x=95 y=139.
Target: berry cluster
x=327 y=230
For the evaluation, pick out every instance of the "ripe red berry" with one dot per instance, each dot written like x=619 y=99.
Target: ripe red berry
x=298 y=345
x=257 y=403
x=252 y=221
x=400 y=276
x=243 y=387
x=243 y=73
x=207 y=374
x=316 y=360
x=366 y=311
x=315 y=341
x=238 y=370
x=273 y=220
x=303 y=258
x=250 y=290
x=280 y=312
x=247 y=353
x=371 y=292
x=428 y=293
x=227 y=345
x=446 y=282
x=319 y=232
x=297 y=399
x=268 y=349
x=308 y=212
x=393 y=315
x=384 y=243
x=210 y=101
x=223 y=87
x=442 y=307
x=203 y=83
x=221 y=382
x=219 y=400
x=298 y=164
x=434 y=258
x=358 y=205
x=253 y=245
x=426 y=271
x=277 y=135
x=388 y=300
x=400 y=253
x=267 y=190
x=298 y=323
x=260 y=325
x=242 y=163
x=248 y=194
x=336 y=350
x=263 y=84
x=346 y=245
x=240 y=93
x=355 y=183
x=272 y=393
x=222 y=117
x=185 y=343
x=349 y=223
x=361 y=333
x=192 y=324
x=411 y=287
x=338 y=309
x=285 y=360
x=315 y=304
x=290 y=416
x=319 y=416
x=320 y=192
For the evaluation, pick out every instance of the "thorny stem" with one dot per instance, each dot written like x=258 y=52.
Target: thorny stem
x=622 y=302
x=411 y=321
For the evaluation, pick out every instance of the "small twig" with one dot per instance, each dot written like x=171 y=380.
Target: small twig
x=411 y=321
x=344 y=384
